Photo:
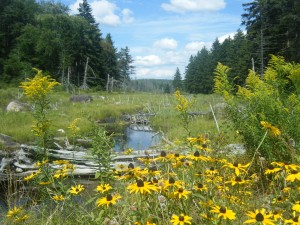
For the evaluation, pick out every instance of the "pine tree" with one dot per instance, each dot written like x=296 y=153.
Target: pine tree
x=85 y=11
x=177 y=81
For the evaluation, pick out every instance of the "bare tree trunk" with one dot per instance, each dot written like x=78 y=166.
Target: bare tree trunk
x=107 y=83
x=68 y=79
x=84 y=83
x=112 y=84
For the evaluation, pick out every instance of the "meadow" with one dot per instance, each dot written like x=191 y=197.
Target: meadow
x=194 y=179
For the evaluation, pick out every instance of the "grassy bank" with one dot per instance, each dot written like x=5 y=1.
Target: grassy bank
x=110 y=105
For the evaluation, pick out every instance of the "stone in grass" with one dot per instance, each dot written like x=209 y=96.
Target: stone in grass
x=81 y=98
x=16 y=106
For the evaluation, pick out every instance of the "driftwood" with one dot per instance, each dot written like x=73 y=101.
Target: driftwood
x=21 y=162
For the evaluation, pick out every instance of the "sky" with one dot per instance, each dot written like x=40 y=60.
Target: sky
x=162 y=34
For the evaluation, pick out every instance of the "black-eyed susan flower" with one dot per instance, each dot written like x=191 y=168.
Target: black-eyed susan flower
x=293 y=175
x=41 y=163
x=13 y=212
x=296 y=206
x=238 y=180
x=21 y=218
x=59 y=175
x=58 y=197
x=238 y=167
x=172 y=183
x=181 y=192
x=108 y=200
x=260 y=216
x=287 y=166
x=279 y=199
x=32 y=175
x=75 y=190
x=198 y=157
x=16 y=214
x=142 y=187
x=200 y=187
x=273 y=130
x=61 y=162
x=271 y=169
x=211 y=171
x=295 y=220
x=102 y=188
x=181 y=220
x=223 y=212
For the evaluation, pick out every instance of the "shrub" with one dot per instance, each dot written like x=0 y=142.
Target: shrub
x=270 y=103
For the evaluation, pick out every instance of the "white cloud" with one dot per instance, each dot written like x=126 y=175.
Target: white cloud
x=127 y=16
x=166 y=43
x=149 y=60
x=194 y=46
x=155 y=73
x=182 y=6
x=105 y=12
x=223 y=37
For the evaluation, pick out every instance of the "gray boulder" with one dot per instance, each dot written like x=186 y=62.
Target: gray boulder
x=16 y=106
x=81 y=98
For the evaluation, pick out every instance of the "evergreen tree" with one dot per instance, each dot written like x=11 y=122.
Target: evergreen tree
x=177 y=81
x=110 y=61
x=85 y=11
x=125 y=64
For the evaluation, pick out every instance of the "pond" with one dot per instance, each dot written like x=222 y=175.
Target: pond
x=137 y=139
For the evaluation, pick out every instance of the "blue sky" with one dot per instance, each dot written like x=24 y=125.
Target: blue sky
x=163 y=34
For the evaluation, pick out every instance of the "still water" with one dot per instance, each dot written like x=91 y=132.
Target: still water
x=137 y=140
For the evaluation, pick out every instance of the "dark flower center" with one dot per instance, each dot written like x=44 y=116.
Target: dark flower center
x=197 y=154
x=238 y=179
x=259 y=217
x=163 y=154
x=294 y=172
x=235 y=164
x=279 y=198
x=181 y=218
x=171 y=180
x=154 y=180
x=200 y=185
x=140 y=183
x=109 y=198
x=222 y=210
x=180 y=190
x=130 y=166
x=176 y=155
x=295 y=219
x=271 y=167
x=77 y=190
x=212 y=168
x=104 y=188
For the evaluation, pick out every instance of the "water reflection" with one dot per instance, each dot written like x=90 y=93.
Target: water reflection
x=137 y=140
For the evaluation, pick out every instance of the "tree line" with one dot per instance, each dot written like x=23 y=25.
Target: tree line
x=71 y=48
x=272 y=28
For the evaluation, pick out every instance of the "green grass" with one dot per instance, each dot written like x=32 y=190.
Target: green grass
x=114 y=105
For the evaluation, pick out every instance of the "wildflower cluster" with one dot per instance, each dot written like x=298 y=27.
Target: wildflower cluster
x=38 y=87
x=37 y=90
x=183 y=105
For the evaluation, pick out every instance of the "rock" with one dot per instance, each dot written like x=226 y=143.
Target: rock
x=5 y=162
x=81 y=98
x=7 y=143
x=16 y=106
x=236 y=148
